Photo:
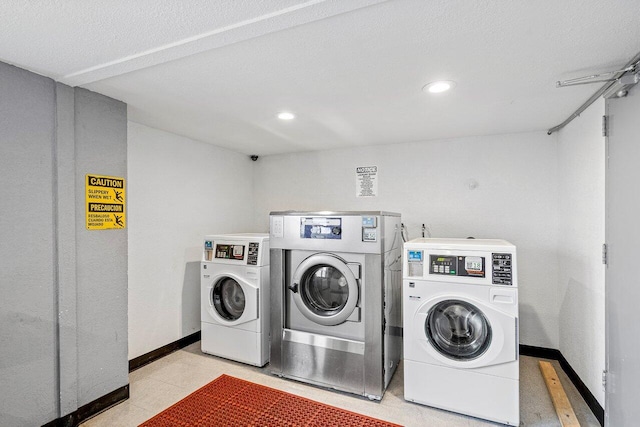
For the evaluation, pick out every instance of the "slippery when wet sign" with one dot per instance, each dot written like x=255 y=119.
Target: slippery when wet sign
x=105 y=201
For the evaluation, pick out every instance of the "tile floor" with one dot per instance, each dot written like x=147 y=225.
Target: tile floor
x=158 y=385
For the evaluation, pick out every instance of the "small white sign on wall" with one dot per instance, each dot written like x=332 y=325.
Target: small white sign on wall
x=366 y=181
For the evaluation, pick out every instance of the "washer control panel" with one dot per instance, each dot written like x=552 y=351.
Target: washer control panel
x=457 y=265
x=251 y=249
x=320 y=228
x=489 y=262
x=225 y=251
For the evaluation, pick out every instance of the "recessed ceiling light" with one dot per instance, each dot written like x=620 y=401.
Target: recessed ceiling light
x=286 y=116
x=439 y=86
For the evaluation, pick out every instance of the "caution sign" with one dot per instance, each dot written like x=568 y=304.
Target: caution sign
x=105 y=200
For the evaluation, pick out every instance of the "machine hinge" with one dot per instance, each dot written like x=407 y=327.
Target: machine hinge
x=605 y=258
x=604 y=380
x=605 y=125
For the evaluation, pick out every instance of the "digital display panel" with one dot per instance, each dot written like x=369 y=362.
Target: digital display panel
x=472 y=266
x=473 y=263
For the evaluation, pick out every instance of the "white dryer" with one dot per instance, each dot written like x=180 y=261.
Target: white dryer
x=460 y=299
x=235 y=297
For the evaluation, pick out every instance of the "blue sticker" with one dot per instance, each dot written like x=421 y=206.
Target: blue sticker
x=369 y=221
x=414 y=256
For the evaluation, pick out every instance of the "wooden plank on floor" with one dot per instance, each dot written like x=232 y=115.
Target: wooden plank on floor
x=558 y=396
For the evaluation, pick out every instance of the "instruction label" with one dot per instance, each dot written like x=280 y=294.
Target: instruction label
x=105 y=202
x=367 y=181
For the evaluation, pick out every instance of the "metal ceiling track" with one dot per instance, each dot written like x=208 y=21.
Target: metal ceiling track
x=616 y=85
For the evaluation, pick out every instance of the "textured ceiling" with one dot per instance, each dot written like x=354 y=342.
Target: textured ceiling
x=352 y=71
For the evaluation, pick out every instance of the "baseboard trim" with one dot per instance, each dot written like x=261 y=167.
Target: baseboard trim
x=159 y=353
x=588 y=397
x=551 y=353
x=107 y=401
x=541 y=352
x=92 y=408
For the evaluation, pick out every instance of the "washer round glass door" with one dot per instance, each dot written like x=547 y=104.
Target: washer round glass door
x=228 y=298
x=458 y=329
x=325 y=289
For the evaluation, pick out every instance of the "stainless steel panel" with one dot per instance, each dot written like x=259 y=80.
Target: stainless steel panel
x=316 y=340
x=392 y=262
x=373 y=329
x=392 y=239
x=277 y=309
x=323 y=366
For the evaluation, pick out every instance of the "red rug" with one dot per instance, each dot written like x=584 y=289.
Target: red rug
x=229 y=401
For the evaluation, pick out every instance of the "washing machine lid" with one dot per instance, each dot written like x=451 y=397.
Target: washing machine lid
x=325 y=289
x=233 y=301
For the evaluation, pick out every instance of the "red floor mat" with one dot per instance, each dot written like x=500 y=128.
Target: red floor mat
x=229 y=401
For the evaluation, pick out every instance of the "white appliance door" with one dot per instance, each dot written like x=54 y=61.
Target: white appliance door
x=325 y=289
x=458 y=329
x=232 y=301
x=462 y=332
x=623 y=235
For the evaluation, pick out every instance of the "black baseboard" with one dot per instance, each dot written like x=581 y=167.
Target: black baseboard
x=92 y=408
x=159 y=353
x=550 y=353
x=588 y=397
x=541 y=352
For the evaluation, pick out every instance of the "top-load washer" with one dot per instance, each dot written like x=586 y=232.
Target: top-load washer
x=335 y=300
x=235 y=297
x=460 y=301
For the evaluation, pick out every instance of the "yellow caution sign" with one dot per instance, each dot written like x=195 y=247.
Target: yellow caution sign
x=105 y=201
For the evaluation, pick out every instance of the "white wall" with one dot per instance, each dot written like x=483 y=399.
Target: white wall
x=516 y=199
x=543 y=193
x=178 y=191
x=581 y=160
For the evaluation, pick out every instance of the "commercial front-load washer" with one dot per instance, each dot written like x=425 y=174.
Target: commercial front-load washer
x=460 y=301
x=336 y=294
x=235 y=297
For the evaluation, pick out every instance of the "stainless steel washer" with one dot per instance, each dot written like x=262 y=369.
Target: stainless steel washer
x=336 y=282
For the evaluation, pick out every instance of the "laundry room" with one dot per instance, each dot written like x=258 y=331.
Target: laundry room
x=107 y=324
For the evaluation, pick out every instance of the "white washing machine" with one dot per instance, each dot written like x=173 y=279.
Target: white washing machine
x=460 y=322
x=235 y=297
